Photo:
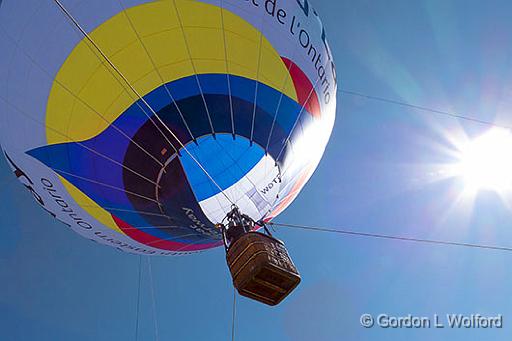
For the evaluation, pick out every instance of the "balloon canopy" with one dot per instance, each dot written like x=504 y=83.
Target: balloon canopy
x=139 y=123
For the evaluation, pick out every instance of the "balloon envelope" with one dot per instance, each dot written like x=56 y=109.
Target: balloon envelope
x=140 y=123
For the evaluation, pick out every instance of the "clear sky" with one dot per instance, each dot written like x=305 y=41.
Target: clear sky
x=381 y=173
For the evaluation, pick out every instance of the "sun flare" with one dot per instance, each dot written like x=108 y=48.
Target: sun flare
x=486 y=162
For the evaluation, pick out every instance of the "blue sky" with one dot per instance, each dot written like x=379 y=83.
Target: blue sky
x=376 y=176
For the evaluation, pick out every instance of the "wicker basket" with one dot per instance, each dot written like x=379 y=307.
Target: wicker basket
x=261 y=268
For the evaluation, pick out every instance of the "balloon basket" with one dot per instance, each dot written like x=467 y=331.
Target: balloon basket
x=262 y=268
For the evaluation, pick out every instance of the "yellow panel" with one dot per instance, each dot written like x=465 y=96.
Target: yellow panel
x=84 y=115
x=289 y=89
x=90 y=206
x=206 y=65
x=236 y=25
x=162 y=13
x=198 y=14
x=176 y=71
x=243 y=51
x=145 y=84
x=64 y=104
x=119 y=104
x=206 y=42
x=162 y=56
x=237 y=69
x=133 y=62
x=109 y=86
x=78 y=67
x=114 y=35
x=270 y=62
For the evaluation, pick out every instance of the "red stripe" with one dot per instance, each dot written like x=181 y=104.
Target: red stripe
x=306 y=94
x=158 y=243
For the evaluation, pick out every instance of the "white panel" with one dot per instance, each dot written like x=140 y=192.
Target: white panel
x=255 y=194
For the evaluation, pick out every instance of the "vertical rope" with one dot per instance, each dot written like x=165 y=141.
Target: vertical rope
x=233 y=321
x=138 y=300
x=153 y=302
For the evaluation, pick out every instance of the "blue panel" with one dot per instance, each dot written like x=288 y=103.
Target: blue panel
x=87 y=171
x=226 y=159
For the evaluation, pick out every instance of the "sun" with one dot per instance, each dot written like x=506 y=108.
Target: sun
x=485 y=163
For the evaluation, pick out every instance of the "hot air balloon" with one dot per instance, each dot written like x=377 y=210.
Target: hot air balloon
x=140 y=124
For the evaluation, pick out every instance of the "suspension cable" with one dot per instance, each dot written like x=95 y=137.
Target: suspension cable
x=392 y=237
x=423 y=108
